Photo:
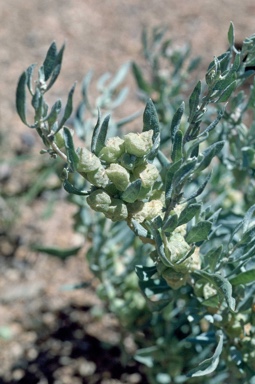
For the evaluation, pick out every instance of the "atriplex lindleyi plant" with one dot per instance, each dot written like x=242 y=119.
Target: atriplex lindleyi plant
x=179 y=197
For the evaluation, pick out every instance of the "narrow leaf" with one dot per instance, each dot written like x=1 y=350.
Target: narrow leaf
x=183 y=173
x=176 y=121
x=141 y=82
x=73 y=190
x=246 y=277
x=222 y=285
x=68 y=107
x=188 y=213
x=248 y=218
x=209 y=154
x=213 y=124
x=49 y=61
x=199 y=232
x=200 y=189
x=96 y=133
x=150 y=119
x=236 y=64
x=21 y=98
x=194 y=101
x=57 y=67
x=209 y=365
x=131 y=193
x=227 y=93
x=128 y=119
x=99 y=137
x=177 y=146
x=231 y=34
x=30 y=72
x=57 y=252
x=53 y=115
x=85 y=88
x=119 y=77
x=72 y=156
x=160 y=246
x=139 y=230
x=36 y=100
x=186 y=256
x=170 y=223
x=171 y=170
x=213 y=256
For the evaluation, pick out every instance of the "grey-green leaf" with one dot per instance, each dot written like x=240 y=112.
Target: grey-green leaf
x=96 y=133
x=141 y=82
x=222 y=285
x=200 y=189
x=246 y=277
x=176 y=121
x=57 y=67
x=131 y=193
x=53 y=115
x=213 y=124
x=170 y=223
x=30 y=71
x=99 y=135
x=139 y=230
x=150 y=119
x=73 y=190
x=194 y=101
x=68 y=107
x=188 y=213
x=177 y=146
x=213 y=256
x=72 y=156
x=209 y=154
x=227 y=93
x=57 y=252
x=209 y=365
x=199 y=232
x=183 y=173
x=231 y=34
x=49 y=61
x=160 y=246
x=119 y=77
x=21 y=98
x=171 y=171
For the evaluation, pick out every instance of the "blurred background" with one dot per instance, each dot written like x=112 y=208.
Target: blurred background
x=39 y=321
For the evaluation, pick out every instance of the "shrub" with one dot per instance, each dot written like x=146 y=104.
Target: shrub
x=169 y=209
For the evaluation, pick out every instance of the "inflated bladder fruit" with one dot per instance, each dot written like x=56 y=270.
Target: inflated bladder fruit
x=119 y=176
x=88 y=162
x=117 y=210
x=99 y=200
x=113 y=150
x=138 y=144
x=98 y=177
x=209 y=291
x=148 y=173
x=141 y=211
x=176 y=248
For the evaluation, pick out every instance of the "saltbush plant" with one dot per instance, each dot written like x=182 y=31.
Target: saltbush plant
x=168 y=208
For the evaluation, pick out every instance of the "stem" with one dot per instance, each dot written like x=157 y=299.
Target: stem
x=59 y=152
